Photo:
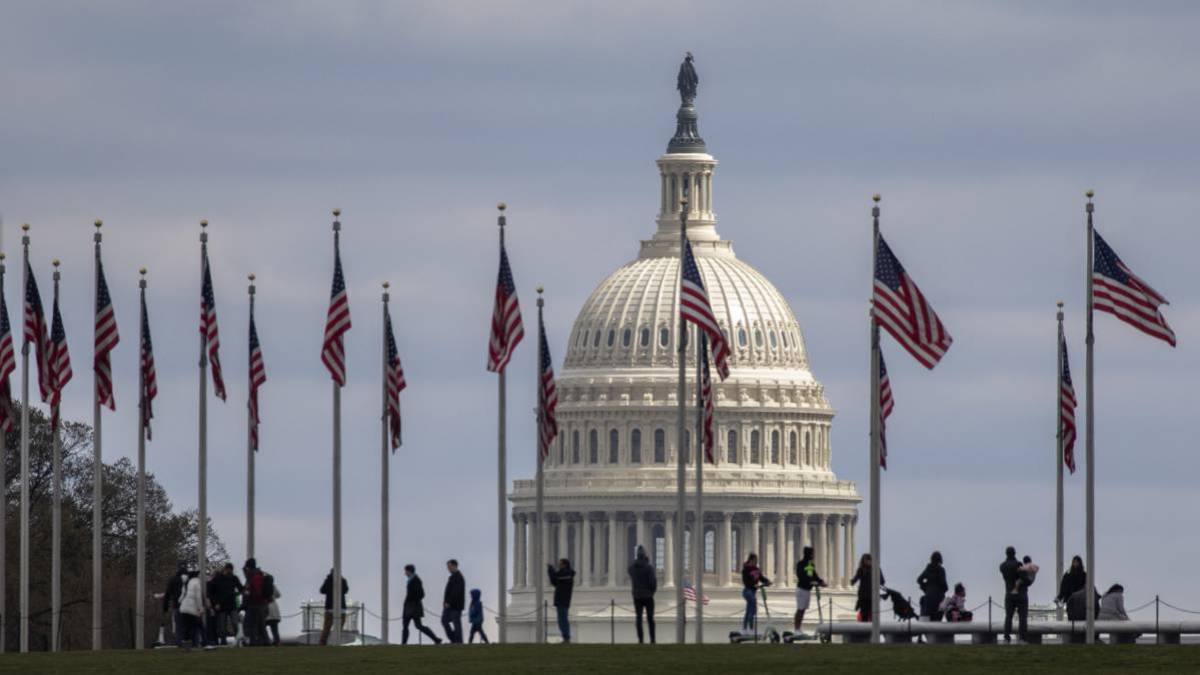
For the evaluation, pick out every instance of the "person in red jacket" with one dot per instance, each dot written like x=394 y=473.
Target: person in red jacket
x=256 y=601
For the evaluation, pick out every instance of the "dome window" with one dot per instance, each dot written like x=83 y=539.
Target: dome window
x=664 y=337
x=758 y=342
x=687 y=447
x=626 y=338
x=732 y=446
x=741 y=337
x=792 y=455
x=645 y=339
x=596 y=339
x=612 y=337
x=583 y=339
x=562 y=449
x=593 y=447
x=575 y=447
x=613 y=446
x=755 y=447
x=783 y=337
x=774 y=344
x=660 y=446
x=774 y=447
x=635 y=446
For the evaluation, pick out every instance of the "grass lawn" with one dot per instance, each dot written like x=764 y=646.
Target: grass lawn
x=748 y=659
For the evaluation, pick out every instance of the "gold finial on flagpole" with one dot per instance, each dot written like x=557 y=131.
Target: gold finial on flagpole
x=501 y=206
x=25 y=227
x=1060 y=304
x=142 y=271
x=3 y=256
x=337 y=223
x=386 y=285
x=55 y=262
x=876 y=197
x=1090 y=193
x=203 y=222
x=98 y=223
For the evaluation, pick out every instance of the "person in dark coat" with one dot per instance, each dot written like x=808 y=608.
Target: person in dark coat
x=223 y=592
x=1075 y=579
x=454 y=600
x=862 y=577
x=414 y=609
x=475 y=617
x=1077 y=604
x=752 y=580
x=170 y=603
x=1016 y=596
x=327 y=591
x=806 y=579
x=644 y=581
x=934 y=587
x=563 y=581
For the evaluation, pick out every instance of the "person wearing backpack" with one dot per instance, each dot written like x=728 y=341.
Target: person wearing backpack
x=256 y=601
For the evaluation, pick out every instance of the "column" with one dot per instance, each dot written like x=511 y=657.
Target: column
x=766 y=557
x=725 y=550
x=755 y=519
x=518 y=543
x=585 y=551
x=835 y=567
x=532 y=565
x=781 y=555
x=820 y=542
x=669 y=553
x=539 y=566
x=802 y=523
x=846 y=544
x=612 y=549
x=640 y=537
x=831 y=536
x=853 y=547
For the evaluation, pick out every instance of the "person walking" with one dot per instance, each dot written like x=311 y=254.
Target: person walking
x=170 y=601
x=806 y=579
x=223 y=592
x=414 y=608
x=563 y=581
x=862 y=578
x=257 y=598
x=327 y=591
x=454 y=600
x=934 y=587
x=752 y=580
x=1016 y=596
x=273 y=616
x=192 y=607
x=475 y=617
x=644 y=581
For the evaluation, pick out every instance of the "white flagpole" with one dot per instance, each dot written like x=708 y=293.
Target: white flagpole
x=25 y=347
x=97 y=486
x=539 y=552
x=680 y=424
x=1058 y=521
x=56 y=517
x=4 y=511
x=250 y=483
x=875 y=445
x=1090 y=441
x=337 y=482
x=383 y=481
x=140 y=604
x=502 y=482
x=202 y=535
x=698 y=531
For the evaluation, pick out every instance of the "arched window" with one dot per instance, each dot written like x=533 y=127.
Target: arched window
x=755 y=447
x=783 y=337
x=660 y=446
x=562 y=451
x=741 y=337
x=774 y=343
x=807 y=448
x=732 y=446
x=710 y=550
x=659 y=548
x=792 y=453
x=626 y=337
x=575 y=447
x=583 y=339
x=593 y=447
x=596 y=340
x=645 y=338
x=687 y=447
x=774 y=447
x=758 y=338
x=612 y=336
x=664 y=337
x=613 y=446
x=635 y=446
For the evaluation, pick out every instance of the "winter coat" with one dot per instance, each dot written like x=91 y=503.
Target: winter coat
x=273 y=608
x=806 y=575
x=254 y=589
x=1077 y=605
x=563 y=581
x=455 y=596
x=1073 y=580
x=1010 y=569
x=862 y=577
x=752 y=577
x=475 y=611
x=174 y=590
x=224 y=590
x=932 y=581
x=192 y=600
x=327 y=591
x=413 y=597
x=1112 y=607
x=643 y=578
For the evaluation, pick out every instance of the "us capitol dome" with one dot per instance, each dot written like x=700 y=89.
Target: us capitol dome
x=610 y=481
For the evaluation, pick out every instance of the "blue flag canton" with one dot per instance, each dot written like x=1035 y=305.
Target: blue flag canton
x=544 y=361
x=1105 y=261
x=888 y=269
x=206 y=288
x=254 y=345
x=339 y=281
x=32 y=297
x=393 y=354
x=1065 y=364
x=102 y=297
x=146 y=343
x=691 y=272
x=506 y=278
x=5 y=326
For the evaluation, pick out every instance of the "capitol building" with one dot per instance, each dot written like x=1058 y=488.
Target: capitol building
x=610 y=481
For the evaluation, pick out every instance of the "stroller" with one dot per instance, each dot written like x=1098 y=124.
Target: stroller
x=901 y=607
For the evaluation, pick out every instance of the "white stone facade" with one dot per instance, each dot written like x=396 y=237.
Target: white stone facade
x=610 y=481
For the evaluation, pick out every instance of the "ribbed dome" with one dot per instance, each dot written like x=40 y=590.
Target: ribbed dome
x=630 y=320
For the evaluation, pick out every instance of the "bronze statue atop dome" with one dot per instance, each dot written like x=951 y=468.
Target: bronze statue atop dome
x=687 y=80
x=687 y=135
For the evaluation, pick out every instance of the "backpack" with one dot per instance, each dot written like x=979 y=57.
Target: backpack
x=268 y=587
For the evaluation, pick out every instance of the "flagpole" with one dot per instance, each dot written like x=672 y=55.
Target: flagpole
x=875 y=496
x=139 y=630
x=250 y=424
x=502 y=481
x=1090 y=442
x=56 y=509
x=1058 y=541
x=337 y=481
x=97 y=484
x=4 y=514
x=698 y=450
x=202 y=536
x=383 y=482
x=540 y=586
x=24 y=591
x=680 y=423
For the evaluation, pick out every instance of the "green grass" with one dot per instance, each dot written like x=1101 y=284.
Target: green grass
x=571 y=659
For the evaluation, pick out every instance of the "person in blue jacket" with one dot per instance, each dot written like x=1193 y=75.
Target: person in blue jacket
x=475 y=617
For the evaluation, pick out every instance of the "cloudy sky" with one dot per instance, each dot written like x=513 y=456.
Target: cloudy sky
x=982 y=124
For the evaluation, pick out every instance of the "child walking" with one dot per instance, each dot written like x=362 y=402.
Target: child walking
x=475 y=618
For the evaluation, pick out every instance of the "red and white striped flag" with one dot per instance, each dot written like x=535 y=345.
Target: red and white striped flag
x=885 y=409
x=901 y=309
x=149 y=379
x=706 y=394
x=394 y=377
x=106 y=339
x=208 y=327
x=507 y=328
x=8 y=363
x=337 y=321
x=1067 y=404
x=257 y=377
x=1120 y=292
x=37 y=332
x=693 y=303
x=547 y=396
x=60 y=363
x=689 y=593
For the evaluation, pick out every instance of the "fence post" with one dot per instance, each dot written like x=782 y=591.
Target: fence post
x=545 y=622
x=830 y=621
x=989 y=613
x=612 y=621
x=1157 y=635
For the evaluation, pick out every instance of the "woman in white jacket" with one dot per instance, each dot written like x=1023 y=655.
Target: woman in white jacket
x=191 y=607
x=273 y=617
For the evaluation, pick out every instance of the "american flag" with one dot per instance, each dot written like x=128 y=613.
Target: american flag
x=902 y=310
x=507 y=328
x=1067 y=404
x=693 y=302
x=689 y=593
x=885 y=409
x=149 y=381
x=1118 y=291
x=547 y=396
x=258 y=376
x=106 y=339
x=36 y=331
x=60 y=363
x=8 y=363
x=208 y=328
x=394 y=377
x=337 y=321
x=706 y=393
